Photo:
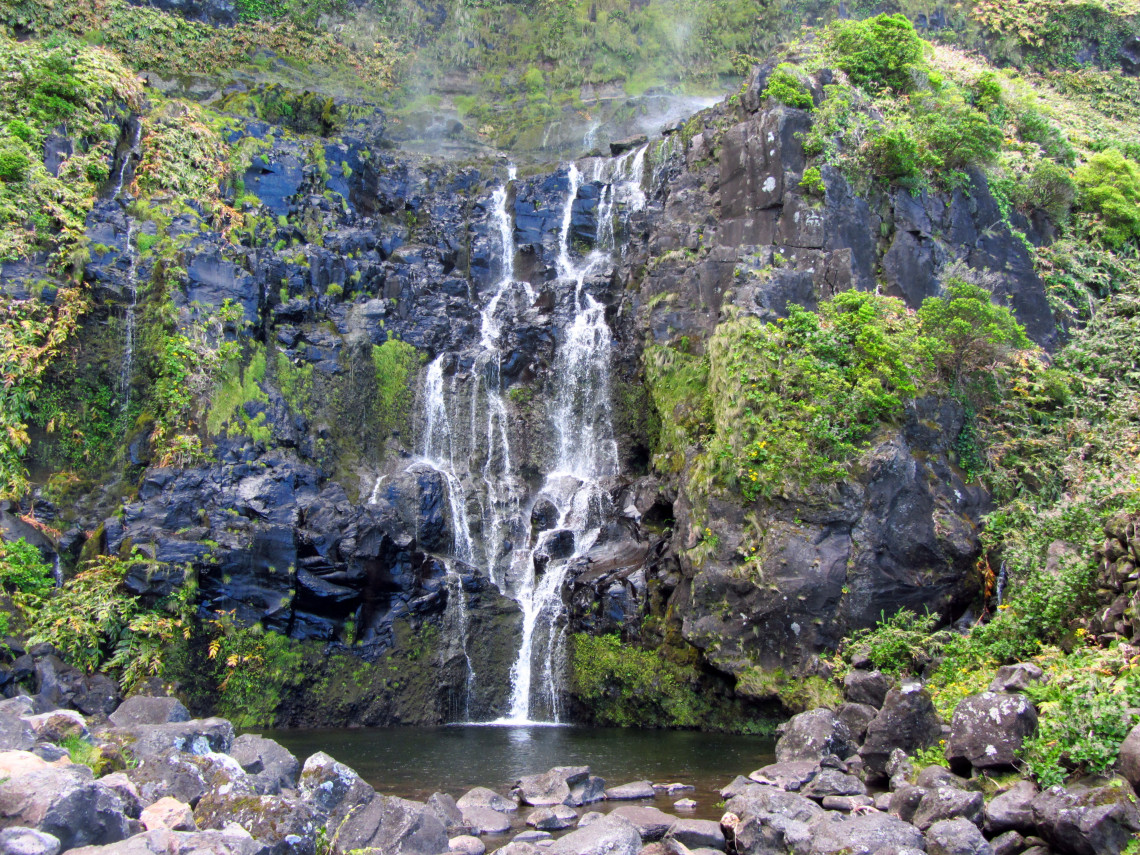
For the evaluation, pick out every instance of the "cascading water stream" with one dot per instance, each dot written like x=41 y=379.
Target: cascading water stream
x=129 y=320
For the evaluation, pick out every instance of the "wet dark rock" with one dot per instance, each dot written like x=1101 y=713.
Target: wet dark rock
x=987 y=731
x=1009 y=843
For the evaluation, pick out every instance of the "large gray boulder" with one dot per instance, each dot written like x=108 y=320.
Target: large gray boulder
x=484 y=820
x=1012 y=810
x=791 y=776
x=15 y=734
x=197 y=736
x=142 y=709
x=956 y=837
x=392 y=826
x=553 y=818
x=562 y=785
x=696 y=834
x=634 y=790
x=988 y=730
x=486 y=798
x=171 y=774
x=1097 y=821
x=832 y=782
x=907 y=721
x=65 y=802
x=610 y=835
x=857 y=717
x=446 y=811
x=270 y=765
x=813 y=734
x=834 y=834
x=761 y=801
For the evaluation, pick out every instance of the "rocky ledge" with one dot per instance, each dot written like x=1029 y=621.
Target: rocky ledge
x=845 y=782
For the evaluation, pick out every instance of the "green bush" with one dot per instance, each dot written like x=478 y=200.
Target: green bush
x=787 y=86
x=878 y=53
x=22 y=568
x=13 y=165
x=898 y=645
x=957 y=136
x=1110 y=188
x=1051 y=188
x=894 y=154
x=812 y=182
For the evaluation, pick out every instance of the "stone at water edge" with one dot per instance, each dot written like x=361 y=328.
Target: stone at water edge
x=651 y=823
x=553 y=818
x=143 y=709
x=486 y=798
x=610 y=835
x=948 y=803
x=394 y=827
x=789 y=776
x=863 y=835
x=685 y=804
x=907 y=721
x=635 y=790
x=197 y=736
x=484 y=820
x=532 y=836
x=811 y=735
x=866 y=687
x=332 y=788
x=272 y=766
x=697 y=833
x=1009 y=843
x=465 y=844
x=760 y=801
x=446 y=810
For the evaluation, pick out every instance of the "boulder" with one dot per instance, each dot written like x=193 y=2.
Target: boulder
x=610 y=835
x=1128 y=761
x=16 y=763
x=1097 y=821
x=791 y=776
x=685 y=804
x=565 y=785
x=651 y=823
x=232 y=841
x=847 y=804
x=532 y=836
x=988 y=730
x=485 y=798
x=905 y=801
x=15 y=734
x=956 y=837
x=696 y=833
x=65 y=802
x=832 y=782
x=907 y=721
x=28 y=841
x=857 y=717
x=811 y=735
x=271 y=766
x=553 y=818
x=1016 y=678
x=197 y=736
x=171 y=775
x=1009 y=843
x=58 y=725
x=392 y=826
x=332 y=788
x=168 y=813
x=142 y=709
x=286 y=824
x=948 y=803
x=933 y=777
x=517 y=847
x=866 y=687
x=484 y=820
x=835 y=834
x=1012 y=810
x=635 y=790
x=760 y=801
x=446 y=811
x=465 y=844
x=128 y=793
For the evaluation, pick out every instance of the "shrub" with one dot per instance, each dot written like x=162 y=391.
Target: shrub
x=812 y=182
x=13 y=165
x=1051 y=188
x=1110 y=187
x=787 y=86
x=957 y=136
x=879 y=53
x=894 y=154
x=898 y=645
x=22 y=568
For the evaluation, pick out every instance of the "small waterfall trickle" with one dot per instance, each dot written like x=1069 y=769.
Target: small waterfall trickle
x=131 y=154
x=129 y=320
x=465 y=438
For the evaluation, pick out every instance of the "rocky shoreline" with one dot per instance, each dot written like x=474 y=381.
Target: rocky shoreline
x=845 y=782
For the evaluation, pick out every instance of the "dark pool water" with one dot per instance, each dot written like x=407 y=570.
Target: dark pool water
x=414 y=762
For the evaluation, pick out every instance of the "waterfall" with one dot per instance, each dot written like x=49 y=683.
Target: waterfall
x=465 y=439
x=131 y=154
x=129 y=320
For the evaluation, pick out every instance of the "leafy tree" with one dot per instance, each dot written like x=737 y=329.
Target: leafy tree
x=1110 y=187
x=878 y=53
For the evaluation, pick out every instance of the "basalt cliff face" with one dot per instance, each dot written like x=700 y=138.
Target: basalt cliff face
x=441 y=457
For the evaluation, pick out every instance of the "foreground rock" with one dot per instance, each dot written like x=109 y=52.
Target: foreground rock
x=988 y=730
x=610 y=835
